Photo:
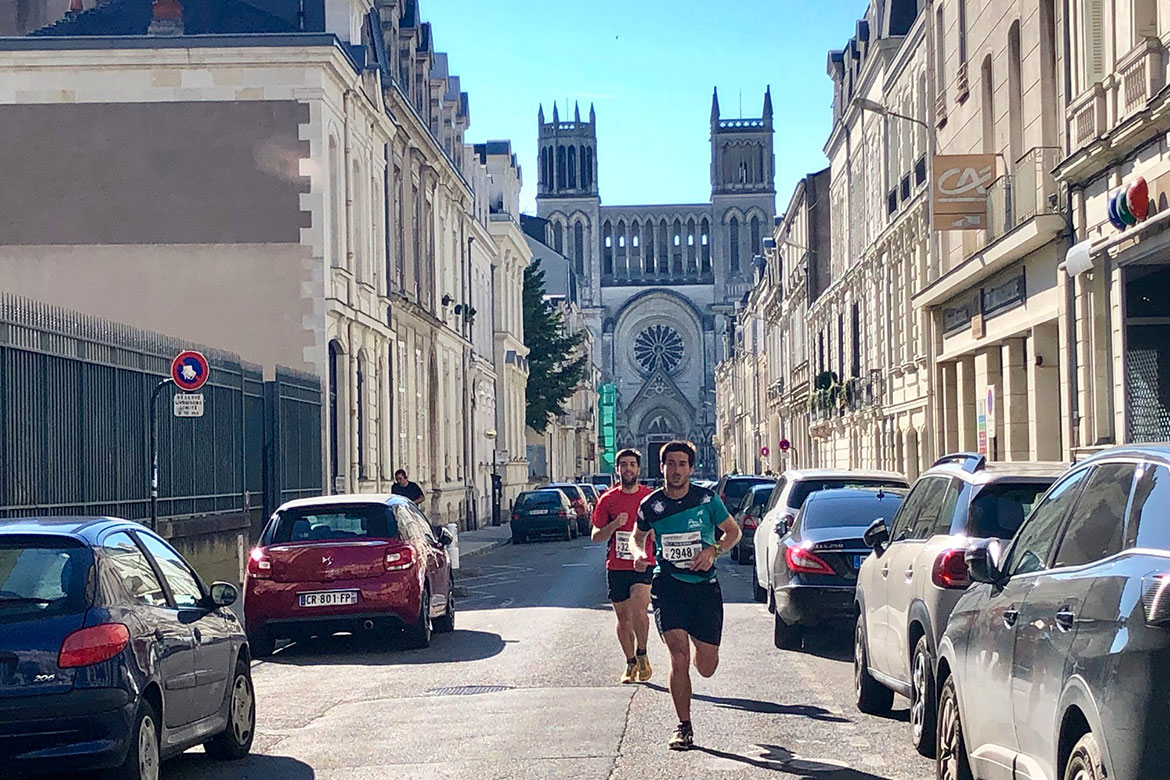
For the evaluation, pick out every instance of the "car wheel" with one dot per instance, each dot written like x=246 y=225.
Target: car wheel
x=951 y=762
x=236 y=740
x=261 y=643
x=873 y=698
x=758 y=591
x=922 y=700
x=570 y=532
x=517 y=538
x=418 y=635
x=1085 y=761
x=446 y=624
x=786 y=637
x=143 y=756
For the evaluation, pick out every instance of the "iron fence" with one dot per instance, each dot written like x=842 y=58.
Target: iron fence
x=74 y=432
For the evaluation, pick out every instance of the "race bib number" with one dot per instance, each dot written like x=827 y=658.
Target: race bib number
x=622 y=545
x=681 y=549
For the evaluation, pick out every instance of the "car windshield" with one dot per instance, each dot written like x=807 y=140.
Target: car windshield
x=542 y=498
x=805 y=488
x=1000 y=508
x=856 y=512
x=42 y=576
x=332 y=523
x=757 y=498
x=736 y=489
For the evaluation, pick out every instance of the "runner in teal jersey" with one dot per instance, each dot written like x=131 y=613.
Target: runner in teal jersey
x=690 y=527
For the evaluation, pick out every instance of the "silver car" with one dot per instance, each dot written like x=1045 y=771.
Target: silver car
x=788 y=496
x=907 y=587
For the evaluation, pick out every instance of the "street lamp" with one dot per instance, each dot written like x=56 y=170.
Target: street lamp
x=865 y=104
x=490 y=435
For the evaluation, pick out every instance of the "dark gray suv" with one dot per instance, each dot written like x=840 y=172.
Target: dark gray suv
x=1054 y=662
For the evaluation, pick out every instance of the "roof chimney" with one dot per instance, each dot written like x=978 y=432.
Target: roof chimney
x=166 y=18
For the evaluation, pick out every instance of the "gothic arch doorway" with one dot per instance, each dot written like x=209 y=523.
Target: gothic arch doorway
x=658 y=427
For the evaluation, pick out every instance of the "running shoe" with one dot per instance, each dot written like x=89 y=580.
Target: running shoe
x=631 y=673
x=683 y=739
x=644 y=670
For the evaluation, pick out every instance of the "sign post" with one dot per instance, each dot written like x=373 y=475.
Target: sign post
x=189 y=372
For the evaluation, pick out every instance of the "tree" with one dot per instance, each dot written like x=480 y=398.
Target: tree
x=555 y=371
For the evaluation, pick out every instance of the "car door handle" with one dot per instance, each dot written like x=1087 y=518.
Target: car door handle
x=1010 y=617
x=909 y=572
x=198 y=636
x=885 y=571
x=1065 y=619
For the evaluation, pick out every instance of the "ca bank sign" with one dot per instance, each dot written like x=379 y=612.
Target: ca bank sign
x=959 y=190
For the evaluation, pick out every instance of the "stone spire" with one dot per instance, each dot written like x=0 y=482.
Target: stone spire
x=715 y=106
x=577 y=112
x=768 y=102
x=540 y=114
x=592 y=115
x=556 y=115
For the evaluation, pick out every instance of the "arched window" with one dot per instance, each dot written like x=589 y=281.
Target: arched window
x=988 y=107
x=336 y=376
x=572 y=167
x=337 y=204
x=584 y=169
x=677 y=253
x=663 y=248
x=545 y=171
x=705 y=227
x=635 y=248
x=648 y=257
x=962 y=32
x=692 y=256
x=620 y=263
x=589 y=169
x=755 y=236
x=579 y=247
x=607 y=255
x=733 y=243
x=1015 y=96
x=560 y=168
x=558 y=237
x=356 y=243
x=360 y=391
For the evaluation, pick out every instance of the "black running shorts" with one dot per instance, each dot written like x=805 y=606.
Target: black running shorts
x=696 y=608
x=621 y=583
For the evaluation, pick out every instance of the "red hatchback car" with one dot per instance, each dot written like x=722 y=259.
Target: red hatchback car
x=348 y=563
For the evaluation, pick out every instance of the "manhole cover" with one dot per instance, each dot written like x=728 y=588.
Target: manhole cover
x=468 y=690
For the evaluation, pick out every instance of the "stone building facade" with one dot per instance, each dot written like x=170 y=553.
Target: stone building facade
x=659 y=283
x=300 y=199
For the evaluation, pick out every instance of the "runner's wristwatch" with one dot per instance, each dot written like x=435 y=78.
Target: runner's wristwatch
x=718 y=549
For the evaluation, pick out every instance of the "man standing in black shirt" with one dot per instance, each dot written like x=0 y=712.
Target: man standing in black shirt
x=405 y=488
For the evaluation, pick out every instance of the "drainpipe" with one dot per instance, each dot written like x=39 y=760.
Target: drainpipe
x=1074 y=412
x=469 y=472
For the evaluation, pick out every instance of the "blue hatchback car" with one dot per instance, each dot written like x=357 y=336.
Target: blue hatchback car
x=113 y=653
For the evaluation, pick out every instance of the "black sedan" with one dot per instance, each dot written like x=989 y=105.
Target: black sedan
x=113 y=653
x=822 y=551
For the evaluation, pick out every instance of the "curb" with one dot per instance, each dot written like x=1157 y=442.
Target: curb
x=487 y=547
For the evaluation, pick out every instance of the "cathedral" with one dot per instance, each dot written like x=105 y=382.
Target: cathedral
x=659 y=283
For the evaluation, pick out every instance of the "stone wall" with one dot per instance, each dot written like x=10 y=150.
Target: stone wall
x=215 y=545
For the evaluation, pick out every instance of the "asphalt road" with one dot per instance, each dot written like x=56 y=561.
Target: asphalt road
x=526 y=687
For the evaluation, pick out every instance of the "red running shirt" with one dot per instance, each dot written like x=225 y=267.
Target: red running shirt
x=611 y=504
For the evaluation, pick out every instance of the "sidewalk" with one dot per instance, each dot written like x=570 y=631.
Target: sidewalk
x=476 y=542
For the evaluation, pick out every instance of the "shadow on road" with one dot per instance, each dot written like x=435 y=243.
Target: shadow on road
x=778 y=759
x=762 y=707
x=197 y=766
x=458 y=646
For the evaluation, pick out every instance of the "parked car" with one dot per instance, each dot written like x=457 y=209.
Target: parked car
x=114 y=655
x=731 y=488
x=901 y=617
x=580 y=505
x=602 y=482
x=592 y=496
x=789 y=493
x=1053 y=662
x=355 y=563
x=816 y=572
x=748 y=515
x=542 y=513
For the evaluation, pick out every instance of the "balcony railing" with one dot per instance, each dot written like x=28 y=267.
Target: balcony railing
x=1141 y=73
x=1015 y=198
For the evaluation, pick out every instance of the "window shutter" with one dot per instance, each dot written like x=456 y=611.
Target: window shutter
x=1094 y=41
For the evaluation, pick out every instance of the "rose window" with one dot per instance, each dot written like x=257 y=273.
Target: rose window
x=658 y=347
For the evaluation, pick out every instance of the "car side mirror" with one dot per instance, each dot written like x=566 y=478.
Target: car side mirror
x=445 y=537
x=877 y=536
x=982 y=562
x=224 y=594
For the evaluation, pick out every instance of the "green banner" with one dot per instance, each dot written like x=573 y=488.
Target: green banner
x=607 y=433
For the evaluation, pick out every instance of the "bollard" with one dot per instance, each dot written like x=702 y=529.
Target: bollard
x=453 y=550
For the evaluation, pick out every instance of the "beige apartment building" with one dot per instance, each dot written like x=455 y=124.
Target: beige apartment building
x=297 y=196
x=1112 y=289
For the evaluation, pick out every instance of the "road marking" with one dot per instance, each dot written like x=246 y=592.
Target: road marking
x=568 y=565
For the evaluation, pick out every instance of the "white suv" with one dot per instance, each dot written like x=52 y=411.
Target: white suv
x=788 y=496
x=908 y=586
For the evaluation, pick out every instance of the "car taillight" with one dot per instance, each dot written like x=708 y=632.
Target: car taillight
x=93 y=645
x=750 y=523
x=1156 y=599
x=399 y=558
x=950 y=571
x=803 y=561
x=515 y=515
x=562 y=513
x=258 y=564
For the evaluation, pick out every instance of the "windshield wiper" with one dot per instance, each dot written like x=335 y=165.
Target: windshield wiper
x=5 y=600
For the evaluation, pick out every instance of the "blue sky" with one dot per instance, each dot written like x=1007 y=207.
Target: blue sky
x=649 y=67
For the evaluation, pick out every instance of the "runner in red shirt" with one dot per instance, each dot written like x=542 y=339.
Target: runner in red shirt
x=614 y=521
